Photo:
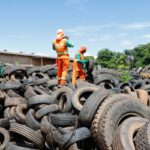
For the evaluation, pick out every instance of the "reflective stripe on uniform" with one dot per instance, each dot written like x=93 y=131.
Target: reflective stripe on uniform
x=62 y=53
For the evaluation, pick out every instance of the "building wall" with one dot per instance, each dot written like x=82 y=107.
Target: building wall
x=25 y=60
x=48 y=61
x=4 y=58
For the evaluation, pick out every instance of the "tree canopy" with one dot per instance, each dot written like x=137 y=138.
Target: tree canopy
x=138 y=56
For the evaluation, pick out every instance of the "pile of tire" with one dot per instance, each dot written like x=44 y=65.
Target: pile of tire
x=101 y=113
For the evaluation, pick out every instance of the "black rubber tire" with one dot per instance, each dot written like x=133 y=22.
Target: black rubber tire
x=38 y=75
x=40 y=99
x=2 y=96
x=45 y=126
x=6 y=113
x=1 y=110
x=52 y=73
x=142 y=139
x=83 y=83
x=68 y=139
x=90 y=66
x=91 y=105
x=104 y=106
x=139 y=84
x=46 y=68
x=108 y=71
x=123 y=139
x=50 y=140
x=80 y=91
x=31 y=120
x=4 y=134
x=114 y=116
x=4 y=123
x=46 y=110
x=123 y=85
x=29 y=92
x=21 y=111
x=11 y=69
x=125 y=134
x=12 y=146
x=63 y=120
x=33 y=69
x=38 y=90
x=12 y=101
x=28 y=133
x=52 y=83
x=12 y=93
x=12 y=112
x=10 y=85
x=106 y=78
x=64 y=104
x=41 y=81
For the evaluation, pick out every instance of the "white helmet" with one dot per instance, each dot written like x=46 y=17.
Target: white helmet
x=60 y=31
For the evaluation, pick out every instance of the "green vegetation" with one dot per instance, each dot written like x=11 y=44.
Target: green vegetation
x=138 y=56
x=125 y=75
x=89 y=57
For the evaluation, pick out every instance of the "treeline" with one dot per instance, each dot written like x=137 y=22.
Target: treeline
x=138 y=56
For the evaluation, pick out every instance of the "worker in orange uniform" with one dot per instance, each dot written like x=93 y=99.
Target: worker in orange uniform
x=79 y=65
x=60 y=45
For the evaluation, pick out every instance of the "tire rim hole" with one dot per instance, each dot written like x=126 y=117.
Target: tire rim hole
x=1 y=138
x=126 y=116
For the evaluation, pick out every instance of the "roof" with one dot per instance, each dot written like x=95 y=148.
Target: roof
x=23 y=54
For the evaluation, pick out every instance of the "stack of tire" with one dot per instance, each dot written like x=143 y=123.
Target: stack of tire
x=101 y=113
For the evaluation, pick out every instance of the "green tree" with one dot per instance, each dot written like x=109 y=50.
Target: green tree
x=111 y=59
x=107 y=58
x=141 y=54
x=90 y=57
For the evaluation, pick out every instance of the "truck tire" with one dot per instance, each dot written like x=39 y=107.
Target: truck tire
x=124 y=135
x=114 y=116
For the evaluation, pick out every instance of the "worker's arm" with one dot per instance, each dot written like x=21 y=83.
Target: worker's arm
x=69 y=44
x=78 y=58
x=83 y=61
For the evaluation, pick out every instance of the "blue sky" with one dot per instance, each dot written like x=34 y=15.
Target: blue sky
x=30 y=25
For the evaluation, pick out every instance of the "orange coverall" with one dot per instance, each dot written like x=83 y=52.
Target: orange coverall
x=63 y=61
x=77 y=69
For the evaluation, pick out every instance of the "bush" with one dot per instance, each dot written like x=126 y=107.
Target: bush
x=125 y=75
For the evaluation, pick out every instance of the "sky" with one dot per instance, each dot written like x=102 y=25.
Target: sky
x=30 y=26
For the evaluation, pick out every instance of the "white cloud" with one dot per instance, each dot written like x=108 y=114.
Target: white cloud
x=79 y=4
x=134 y=26
x=103 y=38
x=79 y=33
x=126 y=44
x=146 y=36
x=86 y=29
x=95 y=28
x=122 y=35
